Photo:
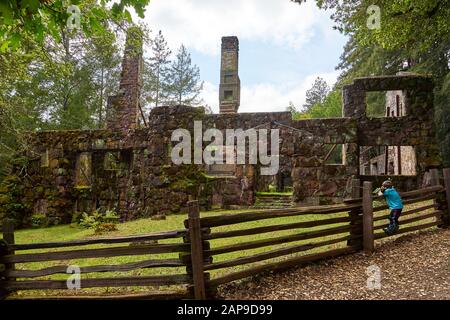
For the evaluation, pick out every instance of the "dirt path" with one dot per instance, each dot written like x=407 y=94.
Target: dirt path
x=415 y=266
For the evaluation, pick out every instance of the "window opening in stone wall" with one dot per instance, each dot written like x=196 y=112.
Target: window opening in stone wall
x=126 y=159
x=83 y=170
x=111 y=161
x=385 y=104
x=228 y=78
x=387 y=160
x=45 y=159
x=228 y=95
x=333 y=154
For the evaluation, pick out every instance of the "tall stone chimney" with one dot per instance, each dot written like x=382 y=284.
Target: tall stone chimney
x=123 y=108
x=230 y=84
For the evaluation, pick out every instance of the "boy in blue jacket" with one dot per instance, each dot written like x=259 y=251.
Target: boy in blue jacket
x=395 y=203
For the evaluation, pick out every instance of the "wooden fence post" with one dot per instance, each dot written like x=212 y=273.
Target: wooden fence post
x=355 y=214
x=442 y=198
x=447 y=194
x=368 y=238
x=8 y=239
x=434 y=177
x=195 y=235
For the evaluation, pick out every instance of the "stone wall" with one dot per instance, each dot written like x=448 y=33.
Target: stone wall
x=416 y=128
x=130 y=173
x=316 y=182
x=123 y=109
x=129 y=169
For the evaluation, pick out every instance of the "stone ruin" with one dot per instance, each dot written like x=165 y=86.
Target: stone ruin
x=230 y=84
x=127 y=168
x=390 y=160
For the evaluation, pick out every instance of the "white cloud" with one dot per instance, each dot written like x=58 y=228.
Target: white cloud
x=200 y=24
x=210 y=96
x=267 y=97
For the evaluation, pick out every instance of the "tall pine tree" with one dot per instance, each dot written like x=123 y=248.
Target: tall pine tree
x=184 y=80
x=317 y=93
x=156 y=72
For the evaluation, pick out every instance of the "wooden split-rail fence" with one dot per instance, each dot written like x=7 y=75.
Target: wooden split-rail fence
x=334 y=230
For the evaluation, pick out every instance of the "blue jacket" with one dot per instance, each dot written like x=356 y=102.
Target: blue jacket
x=393 y=199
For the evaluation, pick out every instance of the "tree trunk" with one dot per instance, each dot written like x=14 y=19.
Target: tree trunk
x=100 y=115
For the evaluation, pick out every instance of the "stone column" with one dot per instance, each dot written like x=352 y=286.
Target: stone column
x=123 y=108
x=230 y=84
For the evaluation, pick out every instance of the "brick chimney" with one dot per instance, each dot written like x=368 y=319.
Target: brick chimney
x=123 y=108
x=230 y=84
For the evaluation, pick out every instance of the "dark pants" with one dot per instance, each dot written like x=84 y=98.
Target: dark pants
x=393 y=221
x=394 y=215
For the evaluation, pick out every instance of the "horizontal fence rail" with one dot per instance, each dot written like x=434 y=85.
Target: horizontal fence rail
x=62 y=269
x=272 y=228
x=222 y=220
x=218 y=249
x=409 y=201
x=408 y=229
x=278 y=240
x=110 y=240
x=276 y=266
x=95 y=253
x=149 y=295
x=98 y=282
x=407 y=212
x=273 y=254
x=23 y=278
x=336 y=227
x=404 y=195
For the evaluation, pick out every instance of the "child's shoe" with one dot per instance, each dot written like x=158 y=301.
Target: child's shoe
x=391 y=229
x=396 y=227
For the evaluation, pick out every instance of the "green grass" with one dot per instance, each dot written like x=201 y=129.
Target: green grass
x=173 y=222
x=274 y=193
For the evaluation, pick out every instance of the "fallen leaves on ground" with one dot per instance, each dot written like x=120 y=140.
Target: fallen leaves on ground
x=414 y=266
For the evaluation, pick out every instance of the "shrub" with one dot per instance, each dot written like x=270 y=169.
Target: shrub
x=272 y=188
x=111 y=217
x=53 y=221
x=76 y=217
x=39 y=220
x=90 y=221
x=100 y=222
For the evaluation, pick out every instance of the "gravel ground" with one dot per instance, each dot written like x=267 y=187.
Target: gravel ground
x=414 y=266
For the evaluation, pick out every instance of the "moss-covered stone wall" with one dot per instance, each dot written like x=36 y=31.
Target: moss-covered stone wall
x=131 y=172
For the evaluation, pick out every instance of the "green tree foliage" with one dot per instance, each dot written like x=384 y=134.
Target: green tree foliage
x=38 y=19
x=55 y=77
x=317 y=93
x=55 y=86
x=104 y=61
x=331 y=107
x=156 y=72
x=184 y=83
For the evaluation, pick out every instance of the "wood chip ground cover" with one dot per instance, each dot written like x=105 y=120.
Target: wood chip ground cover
x=414 y=266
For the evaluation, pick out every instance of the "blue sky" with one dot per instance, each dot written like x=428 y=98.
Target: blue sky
x=283 y=46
